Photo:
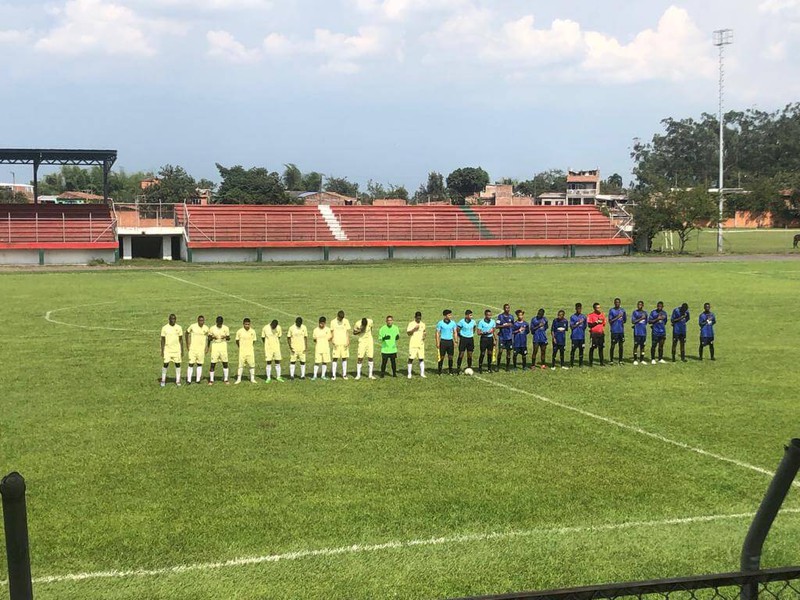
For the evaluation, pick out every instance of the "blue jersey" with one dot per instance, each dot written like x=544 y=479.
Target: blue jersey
x=504 y=333
x=639 y=319
x=539 y=329
x=679 y=322
x=658 y=320
x=617 y=317
x=520 y=330
x=446 y=330
x=486 y=328
x=577 y=323
x=707 y=322
x=559 y=330
x=466 y=329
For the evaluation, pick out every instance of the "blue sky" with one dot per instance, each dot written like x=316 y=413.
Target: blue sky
x=381 y=89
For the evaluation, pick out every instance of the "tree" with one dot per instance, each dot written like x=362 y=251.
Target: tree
x=432 y=190
x=9 y=196
x=340 y=185
x=397 y=191
x=612 y=185
x=174 y=186
x=551 y=180
x=312 y=182
x=688 y=210
x=292 y=178
x=466 y=181
x=250 y=186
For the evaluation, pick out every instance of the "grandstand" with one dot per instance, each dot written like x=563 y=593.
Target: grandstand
x=59 y=234
x=56 y=234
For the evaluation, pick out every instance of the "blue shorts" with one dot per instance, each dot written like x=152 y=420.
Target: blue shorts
x=578 y=342
x=617 y=337
x=679 y=336
x=659 y=338
x=504 y=344
x=521 y=350
x=640 y=340
x=705 y=341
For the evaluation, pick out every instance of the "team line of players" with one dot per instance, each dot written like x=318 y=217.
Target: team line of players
x=506 y=333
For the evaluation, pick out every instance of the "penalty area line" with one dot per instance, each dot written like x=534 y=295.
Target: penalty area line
x=392 y=545
x=223 y=293
x=635 y=429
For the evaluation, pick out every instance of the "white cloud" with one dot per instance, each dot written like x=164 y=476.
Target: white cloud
x=775 y=51
x=778 y=7
x=401 y=9
x=336 y=52
x=223 y=45
x=676 y=50
x=101 y=26
x=204 y=5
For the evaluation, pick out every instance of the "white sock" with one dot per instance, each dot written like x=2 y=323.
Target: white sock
x=421 y=368
x=211 y=376
x=163 y=374
x=177 y=375
x=269 y=371
x=252 y=374
x=189 y=373
x=239 y=374
x=358 y=370
x=334 y=368
x=278 y=371
x=371 y=367
x=344 y=368
x=325 y=370
x=316 y=370
x=409 y=369
x=225 y=374
x=199 y=373
x=302 y=369
x=291 y=369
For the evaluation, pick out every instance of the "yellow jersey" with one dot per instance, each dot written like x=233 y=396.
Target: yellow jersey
x=198 y=336
x=172 y=337
x=219 y=335
x=272 y=338
x=322 y=337
x=297 y=336
x=366 y=332
x=246 y=339
x=340 y=330
x=417 y=338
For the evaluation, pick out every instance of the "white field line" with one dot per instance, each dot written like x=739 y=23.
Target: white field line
x=223 y=293
x=392 y=545
x=48 y=316
x=635 y=429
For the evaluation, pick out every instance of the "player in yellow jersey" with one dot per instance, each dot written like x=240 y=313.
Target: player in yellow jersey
x=341 y=344
x=246 y=341
x=297 y=336
x=171 y=349
x=322 y=347
x=218 y=338
x=366 y=346
x=416 y=344
x=271 y=335
x=197 y=342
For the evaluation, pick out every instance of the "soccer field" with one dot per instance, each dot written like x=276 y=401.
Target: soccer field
x=395 y=488
x=735 y=241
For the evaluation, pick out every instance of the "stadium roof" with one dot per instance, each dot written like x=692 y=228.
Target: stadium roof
x=20 y=156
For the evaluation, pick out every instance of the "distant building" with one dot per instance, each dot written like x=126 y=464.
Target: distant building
x=499 y=194
x=583 y=187
x=19 y=188
x=552 y=199
x=317 y=198
x=389 y=202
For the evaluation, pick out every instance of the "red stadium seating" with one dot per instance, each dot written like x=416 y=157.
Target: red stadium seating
x=56 y=225
x=252 y=226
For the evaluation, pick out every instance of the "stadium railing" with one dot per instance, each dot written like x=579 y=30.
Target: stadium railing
x=146 y=214
x=54 y=225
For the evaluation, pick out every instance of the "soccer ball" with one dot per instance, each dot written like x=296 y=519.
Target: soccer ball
x=468 y=371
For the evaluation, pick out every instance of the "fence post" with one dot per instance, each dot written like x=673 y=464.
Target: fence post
x=15 y=520
x=767 y=511
x=91 y=237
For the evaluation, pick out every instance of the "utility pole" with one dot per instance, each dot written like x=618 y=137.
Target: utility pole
x=722 y=38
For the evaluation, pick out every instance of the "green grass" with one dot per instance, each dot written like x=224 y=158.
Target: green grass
x=123 y=475
x=734 y=241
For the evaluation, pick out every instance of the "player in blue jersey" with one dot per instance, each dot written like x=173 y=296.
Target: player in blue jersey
x=486 y=331
x=505 y=338
x=466 y=339
x=658 y=323
x=559 y=331
x=639 y=322
x=680 y=316
x=617 y=317
x=577 y=326
x=539 y=330
x=520 y=330
x=446 y=337
x=707 y=321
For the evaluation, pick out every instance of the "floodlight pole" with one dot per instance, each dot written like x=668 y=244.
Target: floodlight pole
x=722 y=38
